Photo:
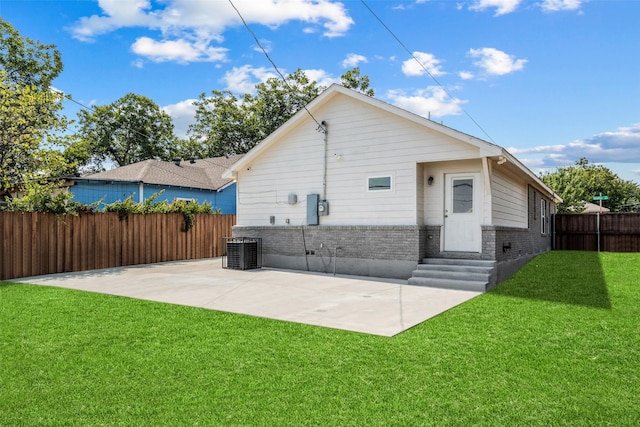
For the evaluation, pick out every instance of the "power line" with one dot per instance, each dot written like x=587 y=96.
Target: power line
x=266 y=54
x=424 y=68
x=90 y=108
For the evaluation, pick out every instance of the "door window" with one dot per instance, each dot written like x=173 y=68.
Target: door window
x=462 y=195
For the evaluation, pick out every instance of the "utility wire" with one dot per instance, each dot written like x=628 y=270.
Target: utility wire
x=90 y=108
x=424 y=68
x=264 y=51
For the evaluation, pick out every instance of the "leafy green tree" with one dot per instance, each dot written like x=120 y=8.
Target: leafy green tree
x=25 y=61
x=276 y=101
x=352 y=79
x=31 y=123
x=225 y=124
x=579 y=183
x=129 y=130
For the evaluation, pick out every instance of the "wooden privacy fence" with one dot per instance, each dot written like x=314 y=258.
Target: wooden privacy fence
x=37 y=243
x=611 y=232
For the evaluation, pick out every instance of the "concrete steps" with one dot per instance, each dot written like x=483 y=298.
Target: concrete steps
x=449 y=273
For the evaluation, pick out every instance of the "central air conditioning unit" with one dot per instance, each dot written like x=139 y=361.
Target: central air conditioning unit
x=243 y=253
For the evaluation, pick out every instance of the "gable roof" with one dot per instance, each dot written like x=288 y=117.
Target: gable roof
x=487 y=149
x=203 y=173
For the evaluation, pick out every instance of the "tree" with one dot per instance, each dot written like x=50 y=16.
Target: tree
x=129 y=130
x=30 y=119
x=27 y=62
x=276 y=100
x=352 y=79
x=579 y=183
x=225 y=124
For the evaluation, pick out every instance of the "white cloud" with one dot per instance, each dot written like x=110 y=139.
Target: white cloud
x=321 y=77
x=430 y=102
x=182 y=115
x=181 y=50
x=207 y=20
x=244 y=79
x=138 y=63
x=266 y=45
x=466 y=75
x=539 y=149
x=352 y=60
x=241 y=80
x=620 y=146
x=411 y=67
x=117 y=14
x=502 y=6
x=559 y=5
x=496 y=62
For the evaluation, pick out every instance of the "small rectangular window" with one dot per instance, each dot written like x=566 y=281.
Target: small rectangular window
x=380 y=183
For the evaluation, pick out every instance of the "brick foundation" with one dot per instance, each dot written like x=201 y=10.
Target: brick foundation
x=382 y=251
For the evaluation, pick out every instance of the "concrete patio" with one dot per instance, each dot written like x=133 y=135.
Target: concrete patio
x=361 y=304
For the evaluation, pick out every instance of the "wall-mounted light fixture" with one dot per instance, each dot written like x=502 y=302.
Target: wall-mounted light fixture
x=430 y=180
x=501 y=160
x=337 y=156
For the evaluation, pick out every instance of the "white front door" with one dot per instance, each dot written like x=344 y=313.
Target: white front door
x=462 y=231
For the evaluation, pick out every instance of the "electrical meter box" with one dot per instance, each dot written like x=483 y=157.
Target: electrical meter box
x=316 y=208
x=323 y=208
x=312 y=209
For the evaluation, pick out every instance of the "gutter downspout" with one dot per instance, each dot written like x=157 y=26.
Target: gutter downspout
x=141 y=191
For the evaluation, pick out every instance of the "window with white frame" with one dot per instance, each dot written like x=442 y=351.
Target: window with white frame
x=544 y=217
x=379 y=183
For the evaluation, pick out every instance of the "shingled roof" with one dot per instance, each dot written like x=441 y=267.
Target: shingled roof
x=202 y=173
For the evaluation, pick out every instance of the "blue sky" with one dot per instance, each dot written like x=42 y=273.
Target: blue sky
x=550 y=80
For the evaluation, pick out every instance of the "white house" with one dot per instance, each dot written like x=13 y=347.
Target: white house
x=355 y=185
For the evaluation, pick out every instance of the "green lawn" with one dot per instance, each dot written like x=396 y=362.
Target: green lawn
x=557 y=344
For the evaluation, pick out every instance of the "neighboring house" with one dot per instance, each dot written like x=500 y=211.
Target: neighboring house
x=593 y=208
x=382 y=189
x=198 y=180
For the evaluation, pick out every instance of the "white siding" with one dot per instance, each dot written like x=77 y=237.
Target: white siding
x=434 y=194
x=509 y=199
x=421 y=184
x=371 y=142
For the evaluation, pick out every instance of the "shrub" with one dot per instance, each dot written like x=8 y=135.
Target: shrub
x=48 y=198
x=187 y=208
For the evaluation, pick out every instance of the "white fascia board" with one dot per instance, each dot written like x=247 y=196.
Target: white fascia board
x=228 y=184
